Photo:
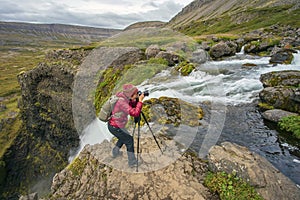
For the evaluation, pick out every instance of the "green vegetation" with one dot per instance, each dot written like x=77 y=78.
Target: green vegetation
x=244 y=21
x=185 y=68
x=77 y=166
x=172 y=111
x=158 y=61
x=265 y=106
x=229 y=186
x=291 y=124
x=8 y=133
x=11 y=65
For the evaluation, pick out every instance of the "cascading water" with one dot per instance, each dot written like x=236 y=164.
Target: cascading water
x=236 y=86
x=238 y=83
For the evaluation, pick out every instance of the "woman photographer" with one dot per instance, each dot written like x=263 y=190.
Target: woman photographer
x=129 y=103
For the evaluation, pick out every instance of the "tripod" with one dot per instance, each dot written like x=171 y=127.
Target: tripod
x=137 y=120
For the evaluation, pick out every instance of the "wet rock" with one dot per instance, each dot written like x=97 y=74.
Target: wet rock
x=276 y=114
x=267 y=180
x=281 y=98
x=283 y=56
x=281 y=90
x=281 y=78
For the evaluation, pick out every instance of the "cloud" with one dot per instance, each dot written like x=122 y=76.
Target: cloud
x=104 y=13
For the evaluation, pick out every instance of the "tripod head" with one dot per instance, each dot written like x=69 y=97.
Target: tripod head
x=137 y=119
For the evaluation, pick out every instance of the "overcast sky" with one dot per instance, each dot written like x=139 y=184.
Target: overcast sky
x=97 y=13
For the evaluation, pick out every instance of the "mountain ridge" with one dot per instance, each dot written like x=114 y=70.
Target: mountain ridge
x=206 y=13
x=30 y=34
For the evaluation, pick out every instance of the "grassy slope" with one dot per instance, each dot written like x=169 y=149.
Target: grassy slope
x=245 y=21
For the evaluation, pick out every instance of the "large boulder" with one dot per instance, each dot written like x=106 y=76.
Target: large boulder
x=152 y=51
x=223 y=49
x=281 y=78
x=267 y=180
x=281 y=90
x=281 y=98
x=283 y=56
x=171 y=57
x=199 y=56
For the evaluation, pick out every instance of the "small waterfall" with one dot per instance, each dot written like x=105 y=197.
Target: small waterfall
x=242 y=52
x=94 y=133
x=296 y=60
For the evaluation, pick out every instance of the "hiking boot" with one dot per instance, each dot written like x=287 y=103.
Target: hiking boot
x=134 y=163
x=116 y=152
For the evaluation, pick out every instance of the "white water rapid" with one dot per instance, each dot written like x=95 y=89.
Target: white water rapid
x=227 y=81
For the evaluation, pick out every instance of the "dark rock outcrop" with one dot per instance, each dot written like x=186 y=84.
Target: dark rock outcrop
x=281 y=90
x=43 y=144
x=284 y=56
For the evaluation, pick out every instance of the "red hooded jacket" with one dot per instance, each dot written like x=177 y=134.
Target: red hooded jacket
x=122 y=109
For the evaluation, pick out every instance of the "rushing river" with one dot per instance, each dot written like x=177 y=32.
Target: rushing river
x=234 y=88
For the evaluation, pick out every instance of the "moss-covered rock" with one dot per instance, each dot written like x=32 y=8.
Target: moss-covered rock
x=167 y=110
x=185 y=68
x=281 y=90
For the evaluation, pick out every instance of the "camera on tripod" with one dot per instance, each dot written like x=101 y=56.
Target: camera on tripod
x=146 y=93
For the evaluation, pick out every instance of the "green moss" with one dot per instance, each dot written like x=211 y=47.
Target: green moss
x=291 y=124
x=265 y=106
x=176 y=111
x=229 y=186
x=77 y=166
x=185 y=68
x=107 y=83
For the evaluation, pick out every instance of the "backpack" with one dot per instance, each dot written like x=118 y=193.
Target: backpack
x=107 y=108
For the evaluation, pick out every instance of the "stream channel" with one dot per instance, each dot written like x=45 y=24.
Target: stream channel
x=232 y=114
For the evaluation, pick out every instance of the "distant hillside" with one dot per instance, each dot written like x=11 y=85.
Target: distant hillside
x=146 y=24
x=219 y=16
x=13 y=34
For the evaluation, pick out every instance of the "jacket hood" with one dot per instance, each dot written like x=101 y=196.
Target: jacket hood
x=121 y=94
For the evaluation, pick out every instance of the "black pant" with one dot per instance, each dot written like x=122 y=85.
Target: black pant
x=123 y=136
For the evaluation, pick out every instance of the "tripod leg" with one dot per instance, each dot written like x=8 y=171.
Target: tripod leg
x=138 y=147
x=133 y=130
x=151 y=132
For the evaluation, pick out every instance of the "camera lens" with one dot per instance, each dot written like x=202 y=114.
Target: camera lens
x=146 y=93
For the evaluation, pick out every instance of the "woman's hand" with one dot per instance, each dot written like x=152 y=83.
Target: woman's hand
x=141 y=97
